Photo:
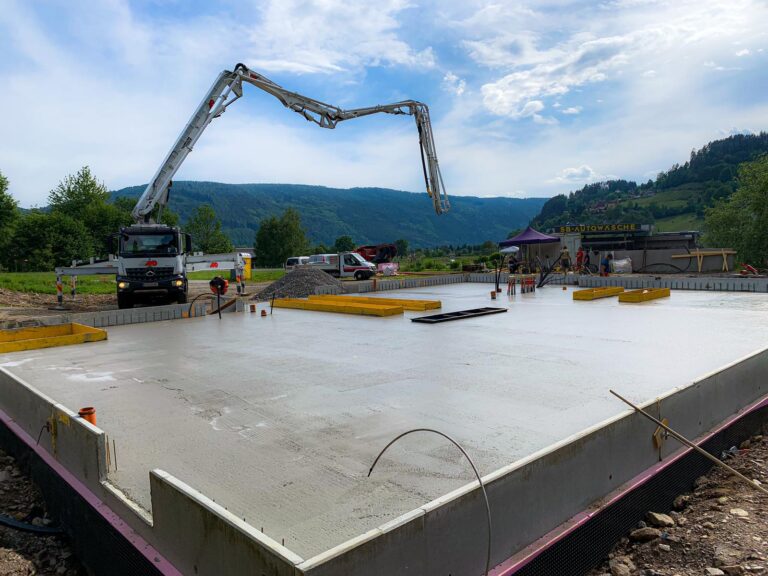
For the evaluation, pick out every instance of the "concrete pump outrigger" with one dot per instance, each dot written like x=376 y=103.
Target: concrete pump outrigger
x=153 y=259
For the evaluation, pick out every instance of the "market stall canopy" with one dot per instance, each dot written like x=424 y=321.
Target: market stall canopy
x=528 y=236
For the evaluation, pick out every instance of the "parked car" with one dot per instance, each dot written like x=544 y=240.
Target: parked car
x=294 y=261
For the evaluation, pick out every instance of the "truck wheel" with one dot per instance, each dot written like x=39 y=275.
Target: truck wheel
x=182 y=298
x=359 y=275
x=124 y=301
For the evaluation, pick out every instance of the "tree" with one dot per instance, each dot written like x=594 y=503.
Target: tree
x=319 y=249
x=402 y=247
x=344 y=244
x=205 y=229
x=280 y=238
x=44 y=241
x=487 y=247
x=75 y=194
x=741 y=221
x=9 y=214
x=85 y=199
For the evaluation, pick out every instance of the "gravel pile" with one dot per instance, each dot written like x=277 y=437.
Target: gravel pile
x=298 y=283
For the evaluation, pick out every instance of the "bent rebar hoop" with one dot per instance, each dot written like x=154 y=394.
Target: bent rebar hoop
x=474 y=469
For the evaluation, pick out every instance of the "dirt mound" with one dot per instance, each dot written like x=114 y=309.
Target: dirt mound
x=720 y=528
x=298 y=283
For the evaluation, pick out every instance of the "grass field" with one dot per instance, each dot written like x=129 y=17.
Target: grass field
x=682 y=222
x=45 y=282
x=672 y=198
x=269 y=275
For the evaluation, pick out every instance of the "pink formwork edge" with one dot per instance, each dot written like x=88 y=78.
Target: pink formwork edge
x=146 y=549
x=523 y=558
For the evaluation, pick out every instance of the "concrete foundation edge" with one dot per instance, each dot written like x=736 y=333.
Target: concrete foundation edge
x=194 y=533
x=529 y=498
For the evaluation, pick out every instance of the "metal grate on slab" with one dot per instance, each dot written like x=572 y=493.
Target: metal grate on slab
x=459 y=315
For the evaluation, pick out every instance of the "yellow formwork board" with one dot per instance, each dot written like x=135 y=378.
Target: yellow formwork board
x=407 y=304
x=20 y=339
x=644 y=295
x=341 y=308
x=595 y=293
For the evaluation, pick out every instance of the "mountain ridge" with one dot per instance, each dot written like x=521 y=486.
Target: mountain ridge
x=368 y=215
x=677 y=199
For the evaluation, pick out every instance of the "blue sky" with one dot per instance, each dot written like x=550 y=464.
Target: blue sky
x=526 y=98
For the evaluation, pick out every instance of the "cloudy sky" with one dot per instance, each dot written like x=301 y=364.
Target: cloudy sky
x=527 y=98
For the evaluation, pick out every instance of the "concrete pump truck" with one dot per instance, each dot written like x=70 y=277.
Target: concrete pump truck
x=153 y=259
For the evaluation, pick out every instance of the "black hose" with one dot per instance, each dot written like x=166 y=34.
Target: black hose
x=31 y=528
x=474 y=469
x=189 y=311
x=677 y=268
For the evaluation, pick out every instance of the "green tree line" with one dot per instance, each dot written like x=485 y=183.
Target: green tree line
x=77 y=223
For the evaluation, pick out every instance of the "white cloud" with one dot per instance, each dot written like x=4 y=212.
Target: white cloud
x=586 y=63
x=614 y=42
x=744 y=52
x=101 y=83
x=329 y=36
x=572 y=110
x=579 y=175
x=123 y=87
x=454 y=84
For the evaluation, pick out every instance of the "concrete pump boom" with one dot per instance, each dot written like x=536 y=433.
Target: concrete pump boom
x=228 y=87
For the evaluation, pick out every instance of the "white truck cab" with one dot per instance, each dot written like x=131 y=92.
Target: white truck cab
x=151 y=264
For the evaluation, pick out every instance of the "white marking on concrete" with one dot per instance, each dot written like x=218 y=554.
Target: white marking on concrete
x=92 y=377
x=17 y=362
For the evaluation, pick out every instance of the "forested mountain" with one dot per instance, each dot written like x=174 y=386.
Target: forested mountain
x=368 y=215
x=676 y=200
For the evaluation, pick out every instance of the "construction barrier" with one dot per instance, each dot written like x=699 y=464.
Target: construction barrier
x=341 y=308
x=596 y=293
x=407 y=304
x=644 y=295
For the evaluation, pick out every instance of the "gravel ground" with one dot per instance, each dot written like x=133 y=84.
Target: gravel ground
x=298 y=283
x=720 y=528
x=23 y=553
x=24 y=309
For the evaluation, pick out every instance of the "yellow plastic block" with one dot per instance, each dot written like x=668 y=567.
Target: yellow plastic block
x=644 y=295
x=419 y=305
x=340 y=307
x=595 y=293
x=20 y=339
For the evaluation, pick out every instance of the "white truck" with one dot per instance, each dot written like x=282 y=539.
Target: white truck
x=153 y=259
x=344 y=265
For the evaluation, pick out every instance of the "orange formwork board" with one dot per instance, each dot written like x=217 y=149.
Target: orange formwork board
x=595 y=293
x=340 y=307
x=407 y=304
x=644 y=295
x=19 y=339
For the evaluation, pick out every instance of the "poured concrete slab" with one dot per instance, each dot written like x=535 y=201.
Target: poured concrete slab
x=279 y=418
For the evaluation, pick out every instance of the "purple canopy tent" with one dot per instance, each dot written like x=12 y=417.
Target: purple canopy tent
x=528 y=237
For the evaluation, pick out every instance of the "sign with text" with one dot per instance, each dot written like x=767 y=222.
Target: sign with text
x=600 y=228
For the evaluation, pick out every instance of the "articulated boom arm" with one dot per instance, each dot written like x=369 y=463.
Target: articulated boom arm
x=228 y=87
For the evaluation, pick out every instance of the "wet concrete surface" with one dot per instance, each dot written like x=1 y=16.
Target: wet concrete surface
x=279 y=418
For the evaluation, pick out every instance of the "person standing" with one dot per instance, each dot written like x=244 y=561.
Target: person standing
x=579 y=259
x=565 y=260
x=605 y=265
